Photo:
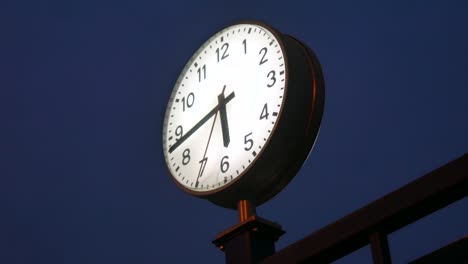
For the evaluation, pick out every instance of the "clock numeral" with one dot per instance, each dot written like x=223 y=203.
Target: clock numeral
x=248 y=141
x=188 y=102
x=264 y=114
x=179 y=132
x=224 y=164
x=272 y=73
x=245 y=45
x=202 y=166
x=186 y=157
x=201 y=73
x=224 y=48
x=264 y=51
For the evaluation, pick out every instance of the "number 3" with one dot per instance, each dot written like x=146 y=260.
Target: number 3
x=272 y=73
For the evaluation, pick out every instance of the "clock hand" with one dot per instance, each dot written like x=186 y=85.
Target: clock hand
x=205 y=159
x=223 y=116
x=200 y=123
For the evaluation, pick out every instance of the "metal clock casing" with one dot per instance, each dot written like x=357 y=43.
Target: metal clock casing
x=254 y=170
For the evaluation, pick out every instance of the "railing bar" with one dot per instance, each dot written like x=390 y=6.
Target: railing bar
x=395 y=210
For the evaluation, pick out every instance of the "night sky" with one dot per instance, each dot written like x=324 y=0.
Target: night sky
x=83 y=91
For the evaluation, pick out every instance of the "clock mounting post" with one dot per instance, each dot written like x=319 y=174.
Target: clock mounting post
x=251 y=240
x=246 y=209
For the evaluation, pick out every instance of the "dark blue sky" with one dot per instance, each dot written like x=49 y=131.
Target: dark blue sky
x=84 y=87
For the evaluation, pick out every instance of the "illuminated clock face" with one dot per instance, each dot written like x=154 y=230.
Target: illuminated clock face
x=224 y=107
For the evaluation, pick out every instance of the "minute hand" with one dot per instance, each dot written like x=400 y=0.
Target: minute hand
x=200 y=123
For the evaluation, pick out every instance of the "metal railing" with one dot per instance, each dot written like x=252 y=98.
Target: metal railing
x=372 y=223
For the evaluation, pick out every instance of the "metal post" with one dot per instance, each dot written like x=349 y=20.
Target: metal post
x=380 y=250
x=246 y=210
x=251 y=240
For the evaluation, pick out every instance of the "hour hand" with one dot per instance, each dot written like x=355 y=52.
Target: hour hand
x=223 y=116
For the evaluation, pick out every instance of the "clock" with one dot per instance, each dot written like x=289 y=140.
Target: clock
x=243 y=115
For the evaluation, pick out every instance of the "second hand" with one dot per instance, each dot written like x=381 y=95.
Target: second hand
x=205 y=159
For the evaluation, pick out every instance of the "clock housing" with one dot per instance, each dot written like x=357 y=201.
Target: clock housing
x=244 y=115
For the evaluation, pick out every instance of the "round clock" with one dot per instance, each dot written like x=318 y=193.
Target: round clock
x=243 y=115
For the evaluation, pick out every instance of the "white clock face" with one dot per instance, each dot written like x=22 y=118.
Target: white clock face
x=224 y=107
